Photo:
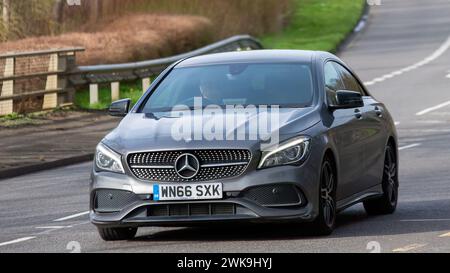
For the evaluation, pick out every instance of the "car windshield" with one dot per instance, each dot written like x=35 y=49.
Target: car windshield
x=283 y=84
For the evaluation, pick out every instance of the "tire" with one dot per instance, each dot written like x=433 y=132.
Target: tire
x=325 y=222
x=115 y=234
x=387 y=203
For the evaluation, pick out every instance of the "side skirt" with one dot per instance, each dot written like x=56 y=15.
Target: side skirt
x=372 y=192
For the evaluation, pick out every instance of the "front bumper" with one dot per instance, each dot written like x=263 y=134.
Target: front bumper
x=141 y=210
x=137 y=214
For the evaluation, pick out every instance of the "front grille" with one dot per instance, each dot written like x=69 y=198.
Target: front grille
x=203 y=209
x=214 y=164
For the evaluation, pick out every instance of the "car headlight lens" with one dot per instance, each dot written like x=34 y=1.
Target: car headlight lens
x=293 y=151
x=108 y=160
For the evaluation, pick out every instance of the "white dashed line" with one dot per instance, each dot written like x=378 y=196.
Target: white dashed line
x=445 y=235
x=441 y=50
x=71 y=216
x=53 y=227
x=17 y=241
x=434 y=108
x=408 y=247
x=409 y=146
x=426 y=220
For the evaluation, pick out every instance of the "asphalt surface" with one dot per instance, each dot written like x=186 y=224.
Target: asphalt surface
x=404 y=57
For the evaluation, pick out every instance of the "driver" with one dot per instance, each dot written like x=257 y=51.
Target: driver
x=210 y=93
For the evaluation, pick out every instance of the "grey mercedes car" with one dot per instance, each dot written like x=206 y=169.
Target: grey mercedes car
x=336 y=146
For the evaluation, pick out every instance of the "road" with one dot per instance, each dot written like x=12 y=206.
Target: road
x=403 y=56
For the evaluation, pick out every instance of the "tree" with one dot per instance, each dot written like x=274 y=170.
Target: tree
x=94 y=7
x=58 y=10
x=6 y=4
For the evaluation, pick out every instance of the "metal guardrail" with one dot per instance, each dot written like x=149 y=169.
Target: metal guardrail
x=64 y=76
x=131 y=71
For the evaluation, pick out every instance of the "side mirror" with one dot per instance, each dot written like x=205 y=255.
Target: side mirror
x=119 y=108
x=347 y=99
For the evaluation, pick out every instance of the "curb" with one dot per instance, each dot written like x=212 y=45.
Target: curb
x=45 y=166
x=359 y=27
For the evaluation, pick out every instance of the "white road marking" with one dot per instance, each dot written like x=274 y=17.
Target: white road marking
x=428 y=130
x=53 y=227
x=441 y=50
x=17 y=241
x=409 y=146
x=71 y=216
x=361 y=25
x=448 y=76
x=426 y=220
x=445 y=235
x=434 y=108
x=397 y=123
x=408 y=247
x=432 y=121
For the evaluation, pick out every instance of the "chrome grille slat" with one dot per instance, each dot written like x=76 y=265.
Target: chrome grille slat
x=215 y=164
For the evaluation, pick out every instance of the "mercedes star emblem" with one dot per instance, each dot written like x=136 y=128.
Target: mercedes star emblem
x=187 y=166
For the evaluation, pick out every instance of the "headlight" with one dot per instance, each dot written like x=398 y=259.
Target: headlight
x=108 y=160
x=293 y=151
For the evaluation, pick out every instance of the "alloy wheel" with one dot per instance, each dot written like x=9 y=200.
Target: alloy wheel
x=327 y=186
x=390 y=176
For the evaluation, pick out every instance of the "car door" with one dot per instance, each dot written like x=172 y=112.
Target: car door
x=346 y=131
x=373 y=134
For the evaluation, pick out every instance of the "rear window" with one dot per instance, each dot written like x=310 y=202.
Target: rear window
x=285 y=85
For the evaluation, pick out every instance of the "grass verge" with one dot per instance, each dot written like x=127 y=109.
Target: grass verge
x=131 y=90
x=317 y=25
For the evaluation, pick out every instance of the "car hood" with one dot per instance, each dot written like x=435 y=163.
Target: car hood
x=145 y=132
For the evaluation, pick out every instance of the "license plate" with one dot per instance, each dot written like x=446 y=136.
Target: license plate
x=194 y=191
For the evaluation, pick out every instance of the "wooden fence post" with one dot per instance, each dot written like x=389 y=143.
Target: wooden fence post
x=93 y=93
x=115 y=87
x=145 y=84
x=51 y=100
x=6 y=106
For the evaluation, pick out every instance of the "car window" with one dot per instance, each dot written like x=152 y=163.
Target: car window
x=283 y=84
x=350 y=83
x=332 y=78
x=333 y=82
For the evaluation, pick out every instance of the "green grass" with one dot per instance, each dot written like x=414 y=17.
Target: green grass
x=127 y=90
x=317 y=25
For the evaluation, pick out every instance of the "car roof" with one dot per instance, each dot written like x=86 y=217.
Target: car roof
x=249 y=56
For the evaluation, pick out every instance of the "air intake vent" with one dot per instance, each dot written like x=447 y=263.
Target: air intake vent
x=200 y=209
x=274 y=195
x=113 y=200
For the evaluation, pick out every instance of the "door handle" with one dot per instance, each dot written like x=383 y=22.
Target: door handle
x=358 y=114
x=378 y=112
